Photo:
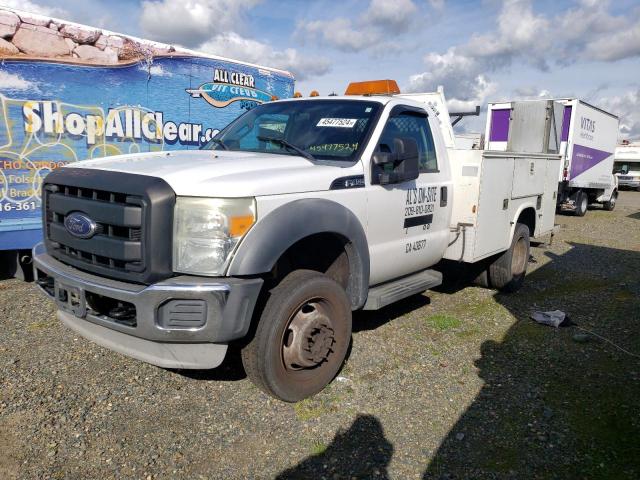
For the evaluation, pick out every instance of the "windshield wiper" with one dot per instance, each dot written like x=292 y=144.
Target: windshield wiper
x=217 y=141
x=288 y=145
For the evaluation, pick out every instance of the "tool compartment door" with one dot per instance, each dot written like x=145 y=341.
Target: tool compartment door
x=493 y=226
x=547 y=212
x=529 y=176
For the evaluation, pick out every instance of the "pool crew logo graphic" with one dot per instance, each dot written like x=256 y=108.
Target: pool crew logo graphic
x=229 y=86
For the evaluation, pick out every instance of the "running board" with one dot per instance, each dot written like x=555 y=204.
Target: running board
x=387 y=293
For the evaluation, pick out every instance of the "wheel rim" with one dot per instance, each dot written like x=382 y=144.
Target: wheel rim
x=584 y=203
x=309 y=338
x=519 y=258
x=613 y=199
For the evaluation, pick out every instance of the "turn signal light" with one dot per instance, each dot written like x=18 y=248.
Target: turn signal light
x=240 y=225
x=373 y=87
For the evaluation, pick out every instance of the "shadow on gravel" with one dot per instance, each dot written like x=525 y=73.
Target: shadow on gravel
x=231 y=369
x=370 y=320
x=558 y=403
x=635 y=216
x=362 y=451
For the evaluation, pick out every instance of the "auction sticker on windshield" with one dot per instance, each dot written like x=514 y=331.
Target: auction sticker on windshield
x=337 y=122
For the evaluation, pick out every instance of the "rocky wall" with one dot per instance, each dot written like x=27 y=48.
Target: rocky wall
x=29 y=35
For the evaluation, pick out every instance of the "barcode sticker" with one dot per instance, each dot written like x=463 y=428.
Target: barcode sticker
x=337 y=122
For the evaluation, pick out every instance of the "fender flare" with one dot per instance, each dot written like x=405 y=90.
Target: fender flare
x=272 y=235
x=521 y=209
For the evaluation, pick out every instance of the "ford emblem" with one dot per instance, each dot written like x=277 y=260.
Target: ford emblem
x=79 y=225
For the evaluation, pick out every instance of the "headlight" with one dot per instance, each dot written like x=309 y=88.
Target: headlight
x=207 y=230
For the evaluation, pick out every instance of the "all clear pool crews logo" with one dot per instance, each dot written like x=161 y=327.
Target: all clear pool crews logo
x=229 y=86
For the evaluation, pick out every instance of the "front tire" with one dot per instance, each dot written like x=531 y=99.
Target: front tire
x=302 y=337
x=507 y=272
x=582 y=203
x=611 y=203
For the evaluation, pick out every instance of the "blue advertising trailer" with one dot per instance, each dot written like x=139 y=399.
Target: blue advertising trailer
x=134 y=96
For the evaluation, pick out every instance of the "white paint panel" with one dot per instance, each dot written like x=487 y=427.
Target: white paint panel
x=591 y=128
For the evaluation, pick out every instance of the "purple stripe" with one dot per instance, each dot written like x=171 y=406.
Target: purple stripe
x=499 y=125
x=584 y=158
x=566 y=120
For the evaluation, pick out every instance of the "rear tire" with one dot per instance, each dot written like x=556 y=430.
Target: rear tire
x=302 y=337
x=582 y=203
x=507 y=272
x=611 y=203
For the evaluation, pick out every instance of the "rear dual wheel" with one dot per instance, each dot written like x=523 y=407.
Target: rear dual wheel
x=302 y=337
x=507 y=272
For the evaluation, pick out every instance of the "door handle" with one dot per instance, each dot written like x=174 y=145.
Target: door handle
x=443 y=196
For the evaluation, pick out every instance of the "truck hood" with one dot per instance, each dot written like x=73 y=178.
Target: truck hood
x=205 y=173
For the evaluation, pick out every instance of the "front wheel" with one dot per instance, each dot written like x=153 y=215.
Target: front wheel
x=611 y=203
x=582 y=203
x=302 y=337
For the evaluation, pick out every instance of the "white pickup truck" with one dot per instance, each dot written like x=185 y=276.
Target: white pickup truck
x=300 y=212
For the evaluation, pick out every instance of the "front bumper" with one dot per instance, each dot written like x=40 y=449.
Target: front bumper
x=628 y=183
x=181 y=322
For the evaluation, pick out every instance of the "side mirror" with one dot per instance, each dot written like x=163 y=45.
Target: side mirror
x=400 y=166
x=382 y=158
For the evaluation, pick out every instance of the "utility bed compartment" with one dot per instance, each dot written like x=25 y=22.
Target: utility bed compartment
x=491 y=188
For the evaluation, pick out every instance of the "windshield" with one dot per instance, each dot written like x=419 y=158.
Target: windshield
x=620 y=167
x=326 y=129
x=625 y=167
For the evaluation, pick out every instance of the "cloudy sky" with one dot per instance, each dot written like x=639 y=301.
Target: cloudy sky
x=484 y=50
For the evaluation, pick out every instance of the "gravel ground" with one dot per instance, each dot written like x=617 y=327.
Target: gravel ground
x=452 y=384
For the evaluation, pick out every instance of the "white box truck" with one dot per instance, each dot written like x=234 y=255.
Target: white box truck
x=627 y=166
x=298 y=213
x=585 y=136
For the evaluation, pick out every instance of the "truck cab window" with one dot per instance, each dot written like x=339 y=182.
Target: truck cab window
x=326 y=129
x=416 y=126
x=266 y=126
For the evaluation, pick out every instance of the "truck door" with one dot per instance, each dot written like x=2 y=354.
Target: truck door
x=408 y=222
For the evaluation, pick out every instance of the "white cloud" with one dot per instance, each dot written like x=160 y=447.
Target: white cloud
x=463 y=70
x=395 y=16
x=211 y=26
x=530 y=93
x=339 y=33
x=627 y=106
x=31 y=7
x=382 y=20
x=237 y=47
x=587 y=32
x=615 y=46
x=189 y=22
x=11 y=81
